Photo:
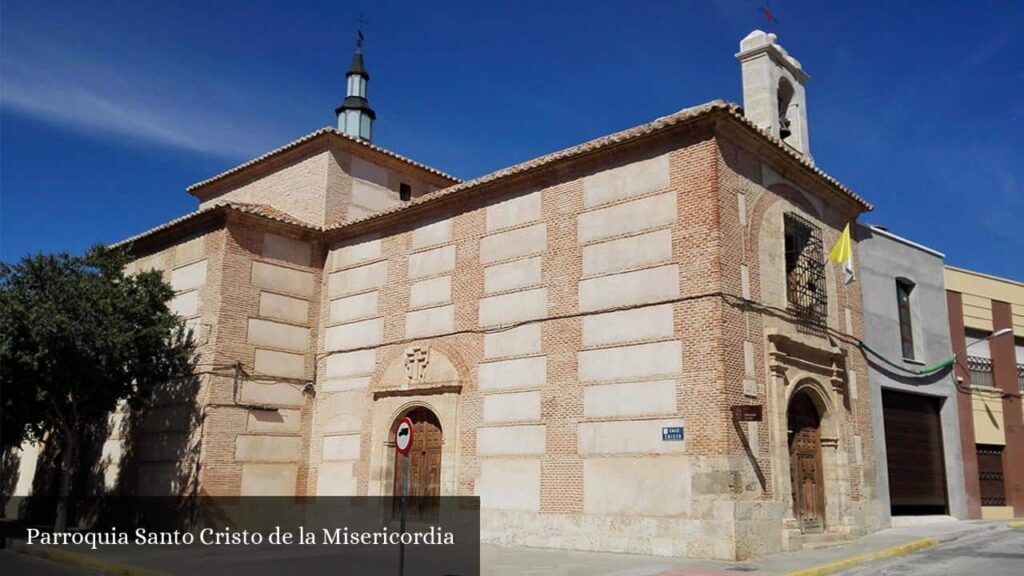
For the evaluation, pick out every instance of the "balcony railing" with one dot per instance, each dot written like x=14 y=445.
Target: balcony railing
x=980 y=371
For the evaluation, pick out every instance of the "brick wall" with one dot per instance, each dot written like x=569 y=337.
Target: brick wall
x=568 y=315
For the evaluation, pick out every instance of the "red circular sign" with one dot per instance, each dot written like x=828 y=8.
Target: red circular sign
x=403 y=435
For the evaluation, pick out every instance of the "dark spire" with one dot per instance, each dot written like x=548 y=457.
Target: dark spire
x=357 y=66
x=355 y=117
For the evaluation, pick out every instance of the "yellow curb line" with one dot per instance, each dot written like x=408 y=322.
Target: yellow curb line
x=833 y=567
x=85 y=561
x=1015 y=524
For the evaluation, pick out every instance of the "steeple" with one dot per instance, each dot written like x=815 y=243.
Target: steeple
x=355 y=117
x=773 y=90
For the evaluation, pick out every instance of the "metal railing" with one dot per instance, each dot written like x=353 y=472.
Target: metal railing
x=980 y=371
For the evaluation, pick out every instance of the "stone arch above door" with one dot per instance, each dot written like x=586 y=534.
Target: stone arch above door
x=836 y=479
x=424 y=374
x=822 y=398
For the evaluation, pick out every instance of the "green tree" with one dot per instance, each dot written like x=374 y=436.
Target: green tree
x=78 y=336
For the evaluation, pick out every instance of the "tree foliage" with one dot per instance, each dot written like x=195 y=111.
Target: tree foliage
x=78 y=336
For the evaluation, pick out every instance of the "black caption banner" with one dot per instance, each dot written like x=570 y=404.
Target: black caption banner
x=260 y=535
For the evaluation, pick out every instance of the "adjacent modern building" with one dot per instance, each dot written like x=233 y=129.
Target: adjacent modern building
x=986 y=321
x=916 y=416
x=635 y=344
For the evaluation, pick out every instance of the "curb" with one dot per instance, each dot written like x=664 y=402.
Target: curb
x=1015 y=524
x=85 y=561
x=833 y=567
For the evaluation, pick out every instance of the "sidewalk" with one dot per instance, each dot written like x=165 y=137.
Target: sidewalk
x=499 y=561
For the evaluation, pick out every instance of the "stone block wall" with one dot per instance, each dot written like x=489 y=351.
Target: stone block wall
x=157 y=454
x=554 y=323
x=583 y=309
x=754 y=196
x=256 y=431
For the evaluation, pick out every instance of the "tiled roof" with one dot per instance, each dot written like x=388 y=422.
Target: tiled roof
x=312 y=136
x=736 y=111
x=262 y=210
x=268 y=211
x=665 y=122
x=627 y=135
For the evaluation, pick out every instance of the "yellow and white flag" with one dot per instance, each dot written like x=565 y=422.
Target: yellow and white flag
x=842 y=252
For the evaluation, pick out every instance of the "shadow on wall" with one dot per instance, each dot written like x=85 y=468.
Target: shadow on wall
x=10 y=460
x=149 y=448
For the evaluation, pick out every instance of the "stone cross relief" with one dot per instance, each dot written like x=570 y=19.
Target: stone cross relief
x=416 y=360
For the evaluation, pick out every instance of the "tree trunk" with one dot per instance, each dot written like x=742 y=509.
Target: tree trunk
x=60 y=523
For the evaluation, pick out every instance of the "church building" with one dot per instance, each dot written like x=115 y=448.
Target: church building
x=635 y=344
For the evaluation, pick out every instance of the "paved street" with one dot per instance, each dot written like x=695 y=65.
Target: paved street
x=997 y=553
x=979 y=549
x=12 y=563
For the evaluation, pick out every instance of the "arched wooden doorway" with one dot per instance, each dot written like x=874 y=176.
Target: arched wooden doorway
x=804 y=426
x=424 y=466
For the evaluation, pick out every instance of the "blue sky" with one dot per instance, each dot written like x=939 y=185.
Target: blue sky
x=109 y=110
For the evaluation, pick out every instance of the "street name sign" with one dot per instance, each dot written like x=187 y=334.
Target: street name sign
x=672 y=433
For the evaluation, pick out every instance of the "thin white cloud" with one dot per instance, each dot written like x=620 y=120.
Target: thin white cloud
x=147 y=107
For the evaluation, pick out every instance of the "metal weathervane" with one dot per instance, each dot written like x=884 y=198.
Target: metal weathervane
x=768 y=14
x=360 y=24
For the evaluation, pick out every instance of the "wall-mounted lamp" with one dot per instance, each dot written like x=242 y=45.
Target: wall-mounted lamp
x=995 y=334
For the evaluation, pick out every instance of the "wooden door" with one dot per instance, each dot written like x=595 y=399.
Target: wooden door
x=805 y=464
x=424 y=467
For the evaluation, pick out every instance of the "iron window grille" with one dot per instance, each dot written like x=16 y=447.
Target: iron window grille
x=980 y=371
x=805 y=269
x=1020 y=376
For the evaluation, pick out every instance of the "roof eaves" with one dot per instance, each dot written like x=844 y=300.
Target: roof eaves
x=665 y=122
x=259 y=210
x=327 y=130
x=547 y=159
x=984 y=275
x=737 y=112
x=897 y=238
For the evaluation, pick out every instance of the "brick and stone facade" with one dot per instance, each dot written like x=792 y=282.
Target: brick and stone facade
x=554 y=316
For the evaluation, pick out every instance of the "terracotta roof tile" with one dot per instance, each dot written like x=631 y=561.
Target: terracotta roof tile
x=659 y=124
x=629 y=134
x=262 y=210
x=326 y=130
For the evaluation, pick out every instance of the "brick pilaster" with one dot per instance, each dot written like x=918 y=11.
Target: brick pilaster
x=965 y=411
x=1004 y=371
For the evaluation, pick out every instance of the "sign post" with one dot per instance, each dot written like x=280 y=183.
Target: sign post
x=403 y=443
